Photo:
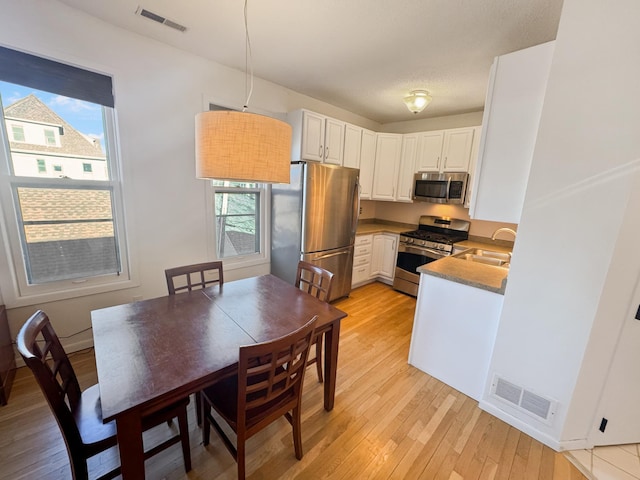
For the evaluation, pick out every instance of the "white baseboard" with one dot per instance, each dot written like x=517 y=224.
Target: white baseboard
x=558 y=446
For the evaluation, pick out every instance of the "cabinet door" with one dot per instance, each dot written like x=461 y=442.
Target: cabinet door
x=333 y=141
x=367 y=163
x=404 y=188
x=377 y=254
x=312 y=137
x=430 y=151
x=383 y=256
x=456 y=149
x=352 y=146
x=385 y=176
x=389 y=256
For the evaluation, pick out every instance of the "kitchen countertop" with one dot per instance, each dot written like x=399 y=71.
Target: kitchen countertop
x=380 y=226
x=486 y=277
x=478 y=275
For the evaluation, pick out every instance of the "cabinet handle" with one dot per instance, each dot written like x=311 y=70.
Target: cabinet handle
x=326 y=152
x=445 y=161
x=320 y=151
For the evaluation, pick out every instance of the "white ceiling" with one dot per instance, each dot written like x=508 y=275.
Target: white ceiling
x=360 y=55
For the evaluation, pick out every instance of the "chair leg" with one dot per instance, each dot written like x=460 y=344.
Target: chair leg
x=183 y=424
x=205 y=409
x=198 y=398
x=240 y=457
x=319 y=356
x=297 y=432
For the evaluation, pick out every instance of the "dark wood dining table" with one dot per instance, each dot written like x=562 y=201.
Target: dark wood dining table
x=154 y=352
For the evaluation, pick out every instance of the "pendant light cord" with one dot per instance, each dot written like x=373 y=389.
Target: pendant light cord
x=248 y=62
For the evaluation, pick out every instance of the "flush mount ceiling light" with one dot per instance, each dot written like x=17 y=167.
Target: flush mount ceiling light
x=417 y=100
x=243 y=146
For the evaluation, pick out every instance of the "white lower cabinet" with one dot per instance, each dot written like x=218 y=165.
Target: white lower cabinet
x=383 y=256
x=374 y=258
x=362 y=260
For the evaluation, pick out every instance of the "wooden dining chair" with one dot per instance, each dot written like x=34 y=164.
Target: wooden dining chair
x=268 y=385
x=77 y=412
x=315 y=281
x=189 y=277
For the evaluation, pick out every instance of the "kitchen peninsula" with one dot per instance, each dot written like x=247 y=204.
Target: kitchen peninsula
x=456 y=320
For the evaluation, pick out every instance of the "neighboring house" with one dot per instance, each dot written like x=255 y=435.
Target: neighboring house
x=60 y=223
x=43 y=144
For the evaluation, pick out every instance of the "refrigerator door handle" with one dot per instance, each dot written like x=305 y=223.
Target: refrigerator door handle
x=356 y=208
x=334 y=254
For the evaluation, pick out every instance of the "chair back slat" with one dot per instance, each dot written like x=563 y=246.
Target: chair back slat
x=190 y=277
x=52 y=369
x=271 y=373
x=314 y=280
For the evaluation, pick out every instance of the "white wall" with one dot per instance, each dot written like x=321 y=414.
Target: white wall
x=158 y=91
x=566 y=285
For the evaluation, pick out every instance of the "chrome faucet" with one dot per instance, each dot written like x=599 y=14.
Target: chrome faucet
x=503 y=229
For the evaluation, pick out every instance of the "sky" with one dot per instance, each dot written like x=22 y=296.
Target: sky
x=85 y=117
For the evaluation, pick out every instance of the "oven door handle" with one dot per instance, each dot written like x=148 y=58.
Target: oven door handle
x=427 y=252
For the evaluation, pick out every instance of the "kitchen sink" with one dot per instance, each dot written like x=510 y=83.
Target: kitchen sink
x=486 y=257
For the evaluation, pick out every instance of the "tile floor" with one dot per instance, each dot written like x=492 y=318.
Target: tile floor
x=617 y=462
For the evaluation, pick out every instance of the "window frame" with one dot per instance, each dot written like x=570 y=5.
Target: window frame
x=240 y=261
x=16 y=291
x=14 y=130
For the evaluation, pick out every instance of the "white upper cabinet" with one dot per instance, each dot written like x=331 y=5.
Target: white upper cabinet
x=475 y=147
x=367 y=163
x=430 y=151
x=387 y=166
x=456 y=149
x=316 y=137
x=512 y=112
x=352 y=146
x=404 y=188
x=333 y=141
x=445 y=150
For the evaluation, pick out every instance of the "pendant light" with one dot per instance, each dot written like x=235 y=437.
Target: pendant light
x=417 y=100
x=243 y=146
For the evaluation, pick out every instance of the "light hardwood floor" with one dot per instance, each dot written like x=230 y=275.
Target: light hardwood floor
x=390 y=421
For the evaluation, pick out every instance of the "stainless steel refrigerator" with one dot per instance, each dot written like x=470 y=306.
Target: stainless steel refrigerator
x=314 y=218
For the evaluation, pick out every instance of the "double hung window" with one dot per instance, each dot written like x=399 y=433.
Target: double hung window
x=60 y=182
x=238 y=208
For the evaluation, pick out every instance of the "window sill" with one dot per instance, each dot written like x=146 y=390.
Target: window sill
x=11 y=300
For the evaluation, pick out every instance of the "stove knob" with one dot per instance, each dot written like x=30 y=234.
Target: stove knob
x=408 y=241
x=441 y=247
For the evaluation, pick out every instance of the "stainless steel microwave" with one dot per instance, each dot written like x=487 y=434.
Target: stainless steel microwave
x=440 y=187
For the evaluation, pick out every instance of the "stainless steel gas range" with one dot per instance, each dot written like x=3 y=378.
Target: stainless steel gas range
x=433 y=240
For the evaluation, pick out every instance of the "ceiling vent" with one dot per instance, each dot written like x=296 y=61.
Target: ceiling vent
x=160 y=19
x=541 y=408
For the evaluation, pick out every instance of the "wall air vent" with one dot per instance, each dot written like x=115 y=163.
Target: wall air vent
x=541 y=408
x=160 y=19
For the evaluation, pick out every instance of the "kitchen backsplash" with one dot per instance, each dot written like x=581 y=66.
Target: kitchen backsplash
x=410 y=213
